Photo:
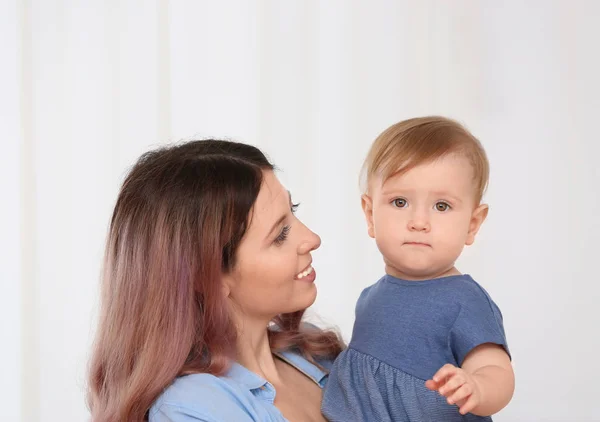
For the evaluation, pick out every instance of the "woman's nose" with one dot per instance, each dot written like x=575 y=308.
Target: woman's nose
x=310 y=242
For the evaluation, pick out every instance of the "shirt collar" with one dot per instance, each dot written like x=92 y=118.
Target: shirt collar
x=245 y=377
x=252 y=381
x=300 y=363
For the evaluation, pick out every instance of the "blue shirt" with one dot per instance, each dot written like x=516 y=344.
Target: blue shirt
x=238 y=396
x=404 y=332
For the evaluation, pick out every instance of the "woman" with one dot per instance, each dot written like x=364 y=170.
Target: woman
x=207 y=275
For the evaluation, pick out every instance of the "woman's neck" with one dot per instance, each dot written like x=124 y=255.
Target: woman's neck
x=253 y=350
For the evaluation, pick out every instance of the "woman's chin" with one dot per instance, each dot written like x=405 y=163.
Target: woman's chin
x=304 y=300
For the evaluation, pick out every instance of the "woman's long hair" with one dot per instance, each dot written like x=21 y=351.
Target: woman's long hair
x=179 y=218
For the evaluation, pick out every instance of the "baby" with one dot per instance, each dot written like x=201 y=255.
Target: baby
x=428 y=342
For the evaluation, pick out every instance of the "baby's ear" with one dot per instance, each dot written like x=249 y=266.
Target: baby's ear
x=477 y=218
x=367 y=206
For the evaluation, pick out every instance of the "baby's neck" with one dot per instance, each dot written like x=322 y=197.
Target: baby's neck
x=420 y=277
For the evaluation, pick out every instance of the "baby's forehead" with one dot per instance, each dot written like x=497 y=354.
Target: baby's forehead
x=447 y=170
x=456 y=181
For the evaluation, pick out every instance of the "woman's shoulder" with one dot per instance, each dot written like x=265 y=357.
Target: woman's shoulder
x=201 y=397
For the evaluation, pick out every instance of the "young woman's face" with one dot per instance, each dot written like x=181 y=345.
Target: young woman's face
x=273 y=273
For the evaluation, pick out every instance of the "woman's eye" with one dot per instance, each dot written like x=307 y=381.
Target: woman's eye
x=282 y=236
x=442 y=206
x=399 y=203
x=294 y=207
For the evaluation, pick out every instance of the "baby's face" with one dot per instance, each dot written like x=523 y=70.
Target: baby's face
x=422 y=219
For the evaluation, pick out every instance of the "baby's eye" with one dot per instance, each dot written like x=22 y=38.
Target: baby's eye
x=442 y=206
x=400 y=203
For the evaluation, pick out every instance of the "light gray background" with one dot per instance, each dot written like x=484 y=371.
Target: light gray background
x=85 y=87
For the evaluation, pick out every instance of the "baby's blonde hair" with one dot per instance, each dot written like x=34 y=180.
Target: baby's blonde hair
x=420 y=140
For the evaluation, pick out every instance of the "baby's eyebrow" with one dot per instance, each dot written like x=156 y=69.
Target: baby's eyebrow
x=396 y=191
x=438 y=194
x=444 y=194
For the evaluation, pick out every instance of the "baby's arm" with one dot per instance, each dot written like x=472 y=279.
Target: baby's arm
x=483 y=385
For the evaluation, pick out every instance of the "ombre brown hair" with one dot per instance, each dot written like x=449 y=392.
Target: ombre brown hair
x=177 y=224
x=420 y=140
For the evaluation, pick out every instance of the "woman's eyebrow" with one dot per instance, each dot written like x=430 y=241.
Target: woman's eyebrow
x=280 y=219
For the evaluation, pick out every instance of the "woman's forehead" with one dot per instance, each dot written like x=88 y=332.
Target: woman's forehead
x=271 y=203
x=270 y=192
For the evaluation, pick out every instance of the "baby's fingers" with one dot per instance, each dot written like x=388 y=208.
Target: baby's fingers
x=468 y=405
x=460 y=394
x=432 y=385
x=456 y=381
x=444 y=372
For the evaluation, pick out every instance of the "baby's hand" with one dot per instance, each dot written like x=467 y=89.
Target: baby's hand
x=458 y=386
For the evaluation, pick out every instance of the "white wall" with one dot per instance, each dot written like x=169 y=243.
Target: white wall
x=11 y=218
x=88 y=86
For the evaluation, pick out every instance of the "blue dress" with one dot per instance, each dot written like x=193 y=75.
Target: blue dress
x=404 y=332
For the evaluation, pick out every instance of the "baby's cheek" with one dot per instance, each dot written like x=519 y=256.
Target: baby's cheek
x=390 y=249
x=451 y=250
